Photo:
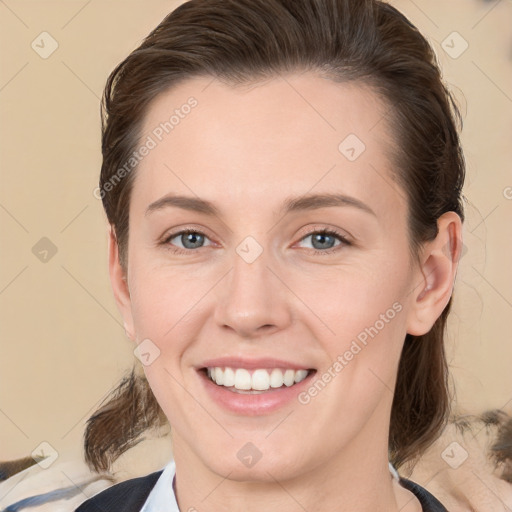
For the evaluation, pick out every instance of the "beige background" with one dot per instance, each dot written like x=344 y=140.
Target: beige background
x=63 y=347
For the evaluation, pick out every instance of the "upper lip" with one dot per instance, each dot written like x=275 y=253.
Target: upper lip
x=251 y=364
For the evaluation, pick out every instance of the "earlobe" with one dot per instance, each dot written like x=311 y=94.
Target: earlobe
x=439 y=259
x=119 y=284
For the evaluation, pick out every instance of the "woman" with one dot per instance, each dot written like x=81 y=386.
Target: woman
x=283 y=182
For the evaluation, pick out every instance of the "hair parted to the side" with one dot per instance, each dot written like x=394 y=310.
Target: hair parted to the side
x=240 y=41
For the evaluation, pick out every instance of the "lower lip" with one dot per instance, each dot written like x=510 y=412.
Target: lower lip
x=264 y=402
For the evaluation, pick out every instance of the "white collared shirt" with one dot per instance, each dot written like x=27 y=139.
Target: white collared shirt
x=162 y=497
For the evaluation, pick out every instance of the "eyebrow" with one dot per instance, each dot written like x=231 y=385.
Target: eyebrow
x=291 y=204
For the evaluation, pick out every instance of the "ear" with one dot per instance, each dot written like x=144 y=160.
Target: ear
x=119 y=284
x=436 y=276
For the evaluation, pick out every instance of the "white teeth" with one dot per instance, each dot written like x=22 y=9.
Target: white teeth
x=219 y=376
x=229 y=377
x=259 y=380
x=242 y=379
x=276 y=378
x=289 y=378
x=300 y=375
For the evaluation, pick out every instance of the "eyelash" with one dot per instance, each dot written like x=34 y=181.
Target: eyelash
x=329 y=232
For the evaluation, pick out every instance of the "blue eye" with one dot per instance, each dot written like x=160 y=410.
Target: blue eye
x=326 y=237
x=191 y=239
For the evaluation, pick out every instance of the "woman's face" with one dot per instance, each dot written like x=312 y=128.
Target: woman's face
x=259 y=289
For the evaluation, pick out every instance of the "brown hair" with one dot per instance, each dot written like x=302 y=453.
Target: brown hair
x=240 y=41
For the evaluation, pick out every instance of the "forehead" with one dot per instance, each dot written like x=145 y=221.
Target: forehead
x=253 y=144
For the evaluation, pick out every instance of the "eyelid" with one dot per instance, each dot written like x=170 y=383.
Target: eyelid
x=344 y=241
x=311 y=230
x=315 y=228
x=187 y=229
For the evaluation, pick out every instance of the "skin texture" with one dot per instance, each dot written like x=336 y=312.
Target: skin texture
x=247 y=149
x=474 y=486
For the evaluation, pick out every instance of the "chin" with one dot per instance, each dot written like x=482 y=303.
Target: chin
x=249 y=463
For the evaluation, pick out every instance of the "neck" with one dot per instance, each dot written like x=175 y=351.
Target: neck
x=358 y=478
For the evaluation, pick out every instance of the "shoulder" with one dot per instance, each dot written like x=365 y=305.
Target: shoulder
x=127 y=496
x=429 y=503
x=59 y=487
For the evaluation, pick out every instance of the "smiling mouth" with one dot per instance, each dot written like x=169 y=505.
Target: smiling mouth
x=261 y=380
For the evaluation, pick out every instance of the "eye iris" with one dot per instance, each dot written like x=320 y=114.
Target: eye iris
x=321 y=238
x=193 y=238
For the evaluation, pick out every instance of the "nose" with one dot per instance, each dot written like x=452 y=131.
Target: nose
x=254 y=300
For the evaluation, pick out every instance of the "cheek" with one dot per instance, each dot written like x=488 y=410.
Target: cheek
x=163 y=312
x=363 y=355
x=169 y=308
x=348 y=300
x=366 y=316
x=161 y=298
